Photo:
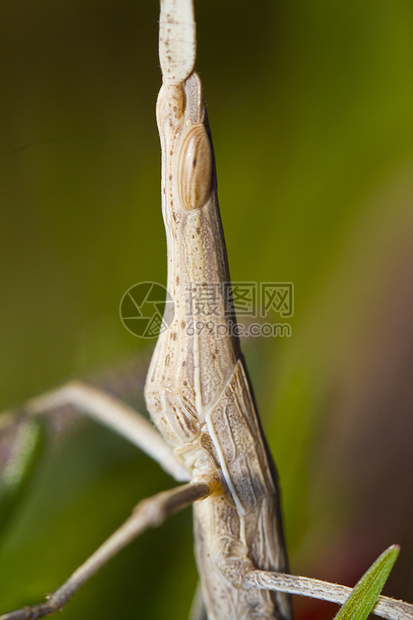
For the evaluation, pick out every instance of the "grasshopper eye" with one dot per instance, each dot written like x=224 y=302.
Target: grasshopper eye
x=194 y=169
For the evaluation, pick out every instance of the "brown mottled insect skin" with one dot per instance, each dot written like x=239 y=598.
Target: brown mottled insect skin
x=197 y=390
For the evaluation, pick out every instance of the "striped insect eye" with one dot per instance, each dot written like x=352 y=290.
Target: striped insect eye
x=194 y=169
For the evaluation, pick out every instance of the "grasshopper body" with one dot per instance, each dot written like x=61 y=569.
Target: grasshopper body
x=197 y=391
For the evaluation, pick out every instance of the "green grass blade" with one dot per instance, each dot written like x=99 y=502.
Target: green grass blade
x=364 y=595
x=23 y=451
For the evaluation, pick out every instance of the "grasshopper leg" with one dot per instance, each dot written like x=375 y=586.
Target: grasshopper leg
x=111 y=412
x=150 y=512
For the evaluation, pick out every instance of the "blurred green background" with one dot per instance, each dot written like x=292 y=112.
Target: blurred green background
x=310 y=104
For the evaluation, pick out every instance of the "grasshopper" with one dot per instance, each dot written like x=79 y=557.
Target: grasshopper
x=197 y=391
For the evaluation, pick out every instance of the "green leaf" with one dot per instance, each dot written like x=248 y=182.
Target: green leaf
x=24 y=451
x=364 y=595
